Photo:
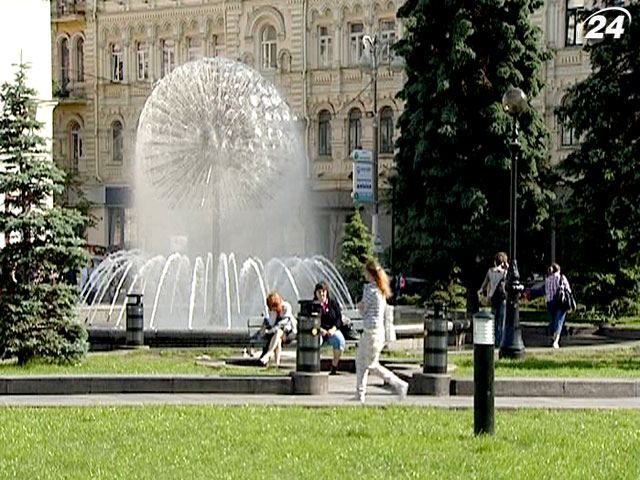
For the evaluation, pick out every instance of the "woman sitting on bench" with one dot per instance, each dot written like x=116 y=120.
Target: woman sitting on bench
x=278 y=328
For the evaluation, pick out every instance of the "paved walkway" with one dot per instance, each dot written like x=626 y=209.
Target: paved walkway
x=341 y=393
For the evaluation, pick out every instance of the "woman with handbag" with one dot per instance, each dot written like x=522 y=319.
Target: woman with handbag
x=372 y=307
x=557 y=293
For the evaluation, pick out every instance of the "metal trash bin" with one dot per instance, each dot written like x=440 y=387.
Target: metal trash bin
x=135 y=320
x=308 y=351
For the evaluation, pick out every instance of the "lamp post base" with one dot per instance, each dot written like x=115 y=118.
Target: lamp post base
x=512 y=345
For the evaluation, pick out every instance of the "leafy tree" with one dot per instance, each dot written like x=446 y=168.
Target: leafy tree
x=452 y=201
x=601 y=220
x=356 y=249
x=37 y=307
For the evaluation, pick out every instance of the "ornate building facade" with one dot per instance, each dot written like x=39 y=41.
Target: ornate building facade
x=107 y=55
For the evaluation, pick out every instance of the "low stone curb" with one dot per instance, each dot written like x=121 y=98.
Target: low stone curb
x=91 y=384
x=284 y=385
x=555 y=387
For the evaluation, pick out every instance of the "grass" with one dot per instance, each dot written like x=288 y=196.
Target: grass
x=205 y=442
x=622 y=362
x=147 y=362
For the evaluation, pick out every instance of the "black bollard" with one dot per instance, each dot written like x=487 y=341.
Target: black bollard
x=436 y=341
x=308 y=351
x=483 y=373
x=135 y=320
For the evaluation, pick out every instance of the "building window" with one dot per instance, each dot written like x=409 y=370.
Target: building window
x=115 y=226
x=269 y=48
x=324 y=133
x=567 y=134
x=325 y=50
x=573 y=23
x=75 y=145
x=117 y=142
x=194 y=49
x=142 y=60
x=117 y=63
x=355 y=130
x=386 y=130
x=168 y=56
x=217 y=47
x=356 y=33
x=64 y=63
x=387 y=39
x=80 y=60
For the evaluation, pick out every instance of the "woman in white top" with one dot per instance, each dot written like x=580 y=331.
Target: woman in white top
x=555 y=279
x=372 y=307
x=279 y=328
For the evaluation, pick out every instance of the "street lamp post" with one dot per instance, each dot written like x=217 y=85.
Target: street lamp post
x=369 y=63
x=514 y=102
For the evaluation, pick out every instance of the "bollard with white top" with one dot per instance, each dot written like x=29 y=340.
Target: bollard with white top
x=483 y=373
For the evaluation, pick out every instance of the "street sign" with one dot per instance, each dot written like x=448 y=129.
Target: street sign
x=362 y=182
x=360 y=155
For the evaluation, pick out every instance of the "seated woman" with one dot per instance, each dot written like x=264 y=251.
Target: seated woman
x=330 y=323
x=278 y=328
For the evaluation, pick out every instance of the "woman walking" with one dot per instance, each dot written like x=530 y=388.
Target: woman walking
x=372 y=307
x=557 y=312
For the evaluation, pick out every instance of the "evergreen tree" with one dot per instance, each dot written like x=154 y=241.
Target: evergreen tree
x=452 y=201
x=37 y=307
x=601 y=222
x=356 y=249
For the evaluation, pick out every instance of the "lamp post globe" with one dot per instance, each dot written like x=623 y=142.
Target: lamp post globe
x=514 y=102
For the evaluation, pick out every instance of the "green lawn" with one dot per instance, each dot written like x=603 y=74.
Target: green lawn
x=621 y=362
x=151 y=361
x=207 y=442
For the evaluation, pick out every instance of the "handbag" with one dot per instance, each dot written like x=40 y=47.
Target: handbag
x=564 y=299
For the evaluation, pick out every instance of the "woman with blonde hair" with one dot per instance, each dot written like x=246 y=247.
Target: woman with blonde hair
x=278 y=328
x=372 y=307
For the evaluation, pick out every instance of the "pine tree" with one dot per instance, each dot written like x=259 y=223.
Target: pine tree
x=452 y=200
x=356 y=249
x=37 y=307
x=600 y=228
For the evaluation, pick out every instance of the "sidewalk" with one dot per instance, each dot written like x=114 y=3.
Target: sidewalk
x=341 y=393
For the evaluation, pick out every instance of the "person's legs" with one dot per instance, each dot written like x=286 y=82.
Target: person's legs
x=559 y=322
x=276 y=341
x=338 y=343
x=389 y=377
x=363 y=360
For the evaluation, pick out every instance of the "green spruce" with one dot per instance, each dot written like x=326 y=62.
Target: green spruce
x=600 y=222
x=356 y=248
x=452 y=201
x=37 y=305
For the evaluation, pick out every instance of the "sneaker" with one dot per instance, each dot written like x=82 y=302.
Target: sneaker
x=358 y=398
x=556 y=344
x=402 y=391
x=334 y=371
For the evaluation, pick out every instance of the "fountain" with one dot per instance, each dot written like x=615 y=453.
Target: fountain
x=220 y=184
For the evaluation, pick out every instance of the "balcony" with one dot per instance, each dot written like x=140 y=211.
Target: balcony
x=68 y=10
x=71 y=93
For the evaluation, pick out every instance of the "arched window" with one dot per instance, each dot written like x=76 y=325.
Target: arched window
x=324 y=133
x=386 y=130
x=117 y=142
x=64 y=63
x=355 y=129
x=268 y=48
x=80 y=60
x=75 y=145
